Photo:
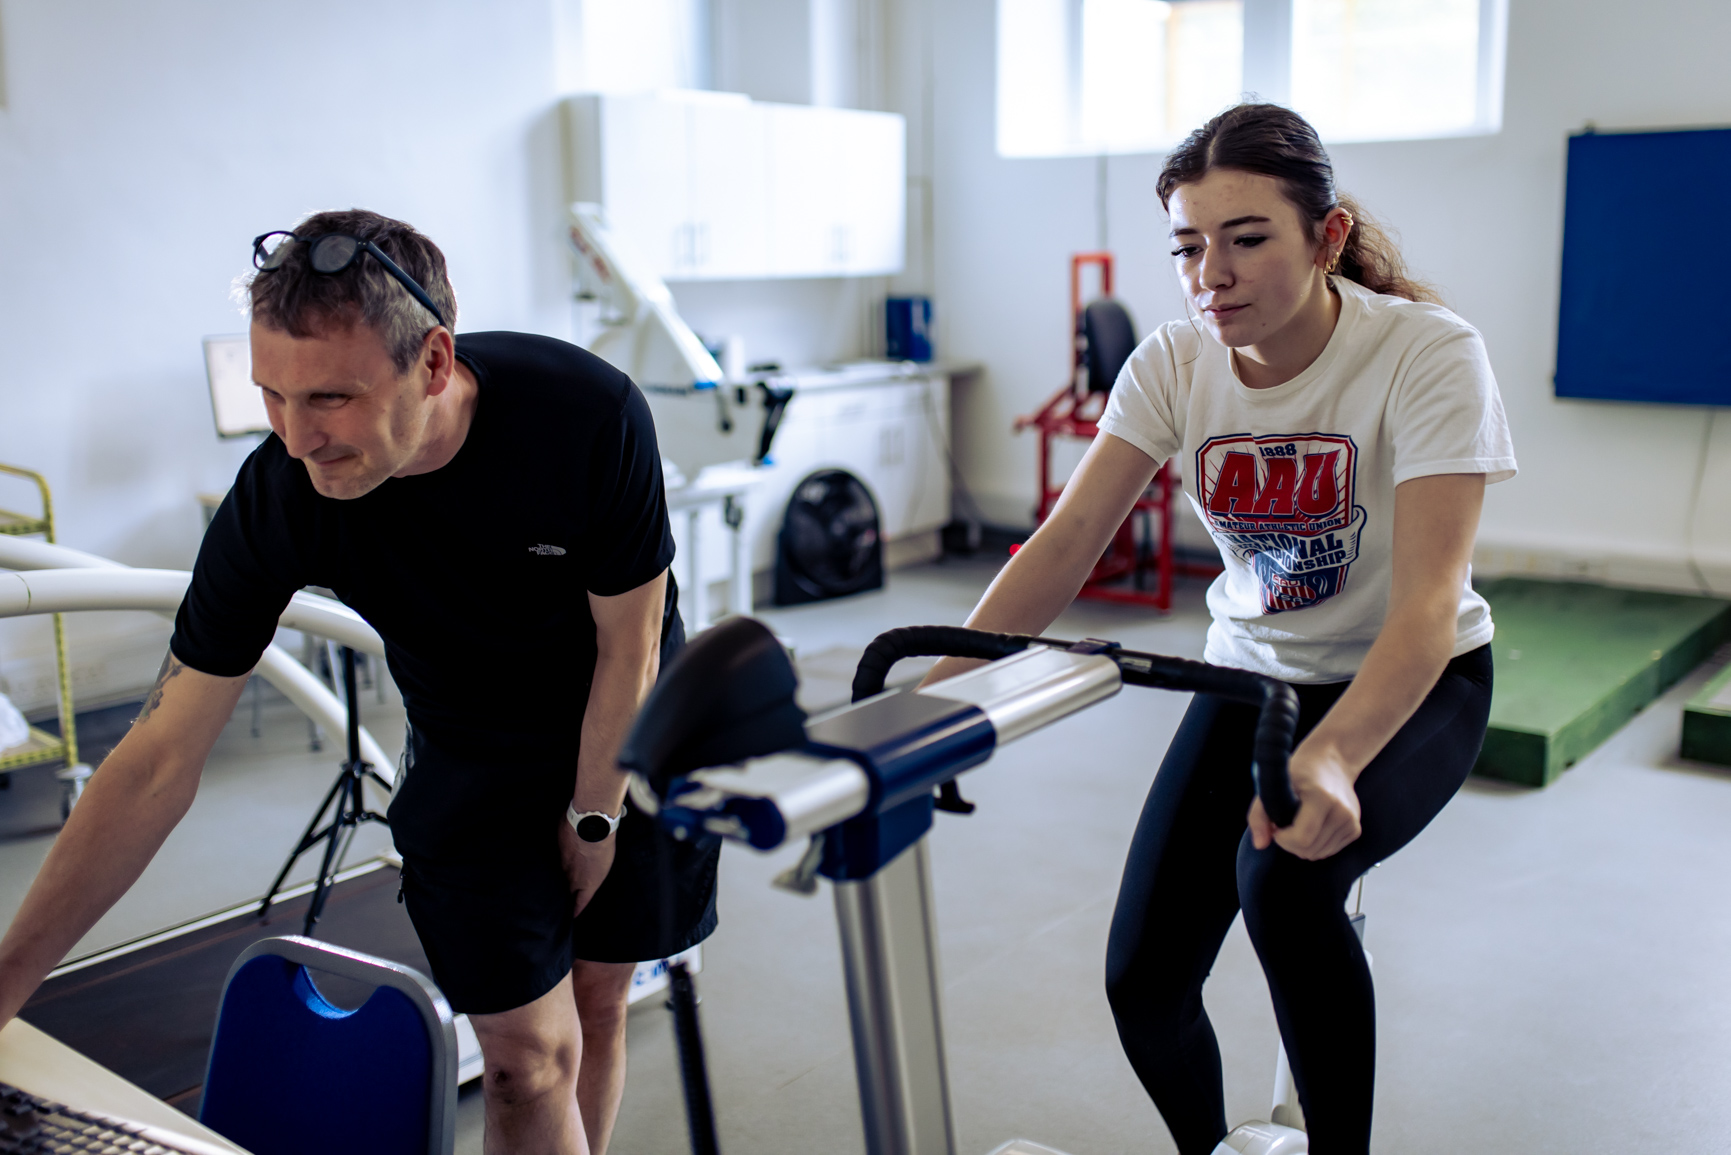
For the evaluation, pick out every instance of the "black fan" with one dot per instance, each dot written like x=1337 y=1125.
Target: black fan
x=830 y=545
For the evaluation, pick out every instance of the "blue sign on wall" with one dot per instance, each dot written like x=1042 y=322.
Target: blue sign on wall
x=1646 y=310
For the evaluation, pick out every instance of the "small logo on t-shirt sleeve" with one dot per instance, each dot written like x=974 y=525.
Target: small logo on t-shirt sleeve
x=548 y=550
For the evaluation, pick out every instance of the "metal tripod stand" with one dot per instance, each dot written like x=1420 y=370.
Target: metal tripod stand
x=351 y=810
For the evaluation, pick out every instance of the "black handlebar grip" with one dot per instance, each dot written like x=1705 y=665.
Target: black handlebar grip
x=1273 y=751
x=892 y=646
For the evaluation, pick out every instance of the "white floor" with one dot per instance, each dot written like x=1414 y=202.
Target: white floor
x=1551 y=965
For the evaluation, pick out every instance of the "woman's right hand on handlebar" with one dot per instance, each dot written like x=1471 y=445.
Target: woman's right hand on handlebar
x=1328 y=811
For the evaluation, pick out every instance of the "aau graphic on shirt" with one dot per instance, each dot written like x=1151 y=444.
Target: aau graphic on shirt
x=1284 y=506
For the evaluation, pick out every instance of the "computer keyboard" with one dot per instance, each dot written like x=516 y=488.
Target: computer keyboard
x=30 y=1123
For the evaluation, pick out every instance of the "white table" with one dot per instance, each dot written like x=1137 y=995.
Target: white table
x=726 y=489
x=33 y=1061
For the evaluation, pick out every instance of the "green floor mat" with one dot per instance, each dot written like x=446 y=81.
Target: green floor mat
x=1707 y=721
x=1574 y=662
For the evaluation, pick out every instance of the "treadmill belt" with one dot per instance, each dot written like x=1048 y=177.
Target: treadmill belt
x=148 y=1014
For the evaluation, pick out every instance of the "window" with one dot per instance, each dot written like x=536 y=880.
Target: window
x=1151 y=69
x=1092 y=76
x=1114 y=76
x=1388 y=69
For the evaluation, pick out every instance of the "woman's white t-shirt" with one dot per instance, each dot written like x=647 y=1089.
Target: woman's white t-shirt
x=1296 y=483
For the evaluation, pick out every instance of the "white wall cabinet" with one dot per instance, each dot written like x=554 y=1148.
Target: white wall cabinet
x=714 y=186
x=729 y=207
x=654 y=208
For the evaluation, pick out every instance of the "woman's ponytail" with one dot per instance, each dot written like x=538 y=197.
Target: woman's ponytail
x=1371 y=258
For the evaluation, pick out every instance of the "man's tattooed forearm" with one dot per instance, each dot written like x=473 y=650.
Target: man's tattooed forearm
x=171 y=668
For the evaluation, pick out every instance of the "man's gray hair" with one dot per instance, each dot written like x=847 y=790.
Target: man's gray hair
x=294 y=299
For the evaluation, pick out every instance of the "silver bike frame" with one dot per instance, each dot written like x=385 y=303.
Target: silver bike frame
x=889 y=951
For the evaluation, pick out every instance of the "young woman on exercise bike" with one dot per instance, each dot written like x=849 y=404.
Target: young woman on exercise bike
x=1335 y=428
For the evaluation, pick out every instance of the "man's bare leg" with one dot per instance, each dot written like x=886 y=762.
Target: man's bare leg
x=531 y=1057
x=600 y=991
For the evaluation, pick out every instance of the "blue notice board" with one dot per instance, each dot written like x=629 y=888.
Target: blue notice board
x=1645 y=309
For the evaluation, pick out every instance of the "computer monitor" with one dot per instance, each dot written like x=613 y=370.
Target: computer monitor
x=235 y=402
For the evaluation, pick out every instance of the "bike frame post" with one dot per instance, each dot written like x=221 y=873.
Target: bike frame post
x=890 y=955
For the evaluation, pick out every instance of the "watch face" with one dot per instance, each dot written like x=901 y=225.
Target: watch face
x=594 y=828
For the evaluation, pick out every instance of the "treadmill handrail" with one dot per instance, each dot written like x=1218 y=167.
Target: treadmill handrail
x=71 y=590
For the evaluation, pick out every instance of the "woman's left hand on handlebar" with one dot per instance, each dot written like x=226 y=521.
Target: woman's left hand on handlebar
x=1328 y=811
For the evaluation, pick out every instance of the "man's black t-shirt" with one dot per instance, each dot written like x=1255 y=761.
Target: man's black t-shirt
x=474 y=574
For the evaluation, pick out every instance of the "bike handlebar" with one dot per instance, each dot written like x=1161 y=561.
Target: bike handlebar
x=1276 y=702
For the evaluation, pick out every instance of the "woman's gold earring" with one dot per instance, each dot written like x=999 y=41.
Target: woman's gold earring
x=1334 y=261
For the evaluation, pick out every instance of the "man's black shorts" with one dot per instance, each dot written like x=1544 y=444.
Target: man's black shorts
x=489 y=897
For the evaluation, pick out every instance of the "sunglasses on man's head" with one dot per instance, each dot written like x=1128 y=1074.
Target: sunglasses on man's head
x=331 y=254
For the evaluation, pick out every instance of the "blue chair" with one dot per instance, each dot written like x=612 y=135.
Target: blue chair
x=291 y=1073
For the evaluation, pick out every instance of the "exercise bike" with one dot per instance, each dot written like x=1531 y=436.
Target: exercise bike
x=721 y=747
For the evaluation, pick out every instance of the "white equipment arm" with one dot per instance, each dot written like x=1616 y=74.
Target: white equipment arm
x=644 y=336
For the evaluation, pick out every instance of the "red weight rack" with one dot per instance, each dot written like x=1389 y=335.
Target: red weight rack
x=1121 y=574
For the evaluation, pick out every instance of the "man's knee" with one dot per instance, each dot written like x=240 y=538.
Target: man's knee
x=527 y=1061
x=519 y=1074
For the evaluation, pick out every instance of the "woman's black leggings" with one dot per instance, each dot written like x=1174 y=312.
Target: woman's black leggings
x=1192 y=866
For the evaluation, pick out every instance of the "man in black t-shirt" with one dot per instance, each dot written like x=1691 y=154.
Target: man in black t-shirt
x=493 y=506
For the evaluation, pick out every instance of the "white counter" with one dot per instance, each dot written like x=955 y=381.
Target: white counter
x=888 y=423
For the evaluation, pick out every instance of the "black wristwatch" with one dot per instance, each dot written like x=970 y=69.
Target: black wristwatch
x=593 y=825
